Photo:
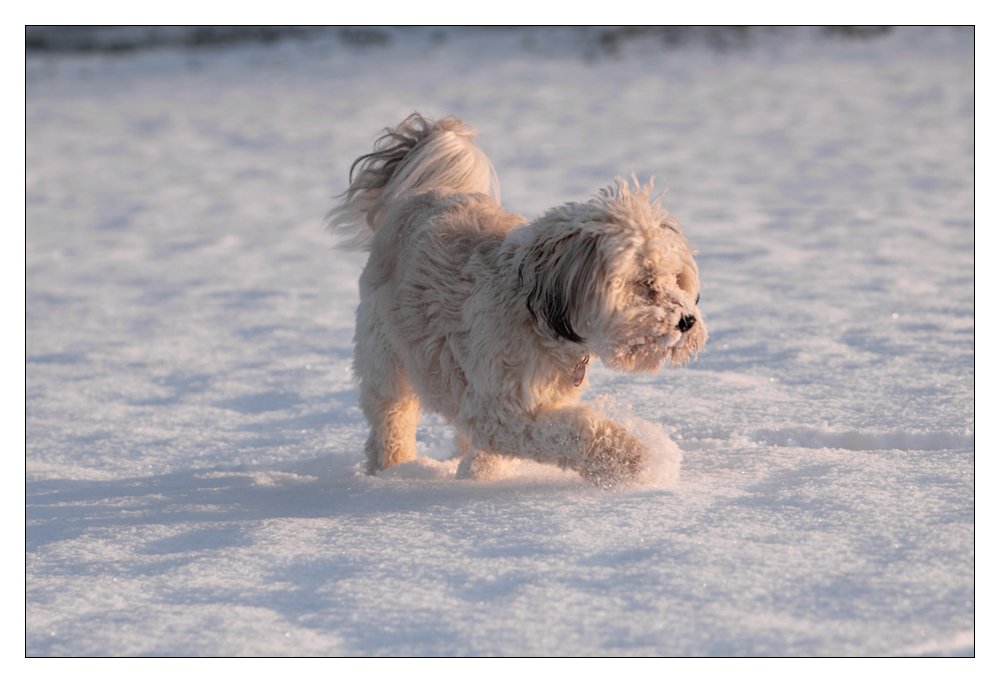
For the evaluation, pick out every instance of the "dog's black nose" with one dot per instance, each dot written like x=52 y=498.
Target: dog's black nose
x=686 y=323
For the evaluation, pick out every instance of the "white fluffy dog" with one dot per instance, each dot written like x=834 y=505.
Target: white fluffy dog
x=472 y=312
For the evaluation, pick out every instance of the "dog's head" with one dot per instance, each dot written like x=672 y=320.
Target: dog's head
x=616 y=275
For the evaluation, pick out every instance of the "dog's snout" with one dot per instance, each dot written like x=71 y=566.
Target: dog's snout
x=686 y=323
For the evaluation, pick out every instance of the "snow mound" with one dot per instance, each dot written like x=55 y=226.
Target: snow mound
x=664 y=465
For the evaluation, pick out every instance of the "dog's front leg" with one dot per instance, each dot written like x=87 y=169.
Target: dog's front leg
x=479 y=465
x=611 y=455
x=577 y=438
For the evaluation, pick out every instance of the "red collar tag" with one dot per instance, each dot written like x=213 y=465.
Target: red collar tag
x=580 y=372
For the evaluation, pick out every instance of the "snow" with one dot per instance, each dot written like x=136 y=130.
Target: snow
x=193 y=440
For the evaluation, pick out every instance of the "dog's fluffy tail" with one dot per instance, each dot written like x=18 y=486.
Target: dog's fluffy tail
x=417 y=156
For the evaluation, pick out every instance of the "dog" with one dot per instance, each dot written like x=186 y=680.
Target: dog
x=490 y=320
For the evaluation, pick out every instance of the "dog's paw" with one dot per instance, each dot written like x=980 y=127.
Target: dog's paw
x=616 y=460
x=484 y=466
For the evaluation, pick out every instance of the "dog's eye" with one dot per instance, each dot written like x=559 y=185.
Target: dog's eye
x=697 y=299
x=645 y=287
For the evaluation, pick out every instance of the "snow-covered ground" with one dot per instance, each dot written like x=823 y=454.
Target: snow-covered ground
x=193 y=438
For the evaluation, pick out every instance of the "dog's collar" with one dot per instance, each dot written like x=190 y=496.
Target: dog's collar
x=581 y=371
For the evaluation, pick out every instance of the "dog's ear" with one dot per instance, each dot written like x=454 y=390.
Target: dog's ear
x=563 y=275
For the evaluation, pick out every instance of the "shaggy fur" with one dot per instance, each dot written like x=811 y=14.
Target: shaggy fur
x=472 y=312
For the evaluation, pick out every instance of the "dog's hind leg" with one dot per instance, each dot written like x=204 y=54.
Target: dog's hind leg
x=387 y=400
x=392 y=440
